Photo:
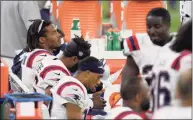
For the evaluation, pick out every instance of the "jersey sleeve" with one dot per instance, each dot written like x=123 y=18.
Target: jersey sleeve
x=185 y=63
x=50 y=71
x=72 y=92
x=50 y=75
x=135 y=43
x=141 y=49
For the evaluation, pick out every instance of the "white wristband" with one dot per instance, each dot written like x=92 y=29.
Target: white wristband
x=90 y=95
x=90 y=103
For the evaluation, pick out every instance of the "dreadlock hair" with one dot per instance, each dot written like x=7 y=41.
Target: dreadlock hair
x=35 y=31
x=183 y=38
x=77 y=47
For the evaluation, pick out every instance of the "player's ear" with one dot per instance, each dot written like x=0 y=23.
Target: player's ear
x=42 y=40
x=86 y=73
x=75 y=58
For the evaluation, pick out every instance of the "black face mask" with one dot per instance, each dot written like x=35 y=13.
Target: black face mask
x=145 y=105
x=74 y=68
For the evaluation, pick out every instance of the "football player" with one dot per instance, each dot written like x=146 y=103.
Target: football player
x=136 y=100
x=42 y=39
x=185 y=10
x=139 y=57
x=171 y=60
x=70 y=94
x=184 y=95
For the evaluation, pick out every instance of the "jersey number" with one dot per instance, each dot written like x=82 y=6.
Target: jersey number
x=162 y=77
x=146 y=69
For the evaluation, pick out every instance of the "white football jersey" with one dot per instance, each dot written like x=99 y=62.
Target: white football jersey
x=49 y=72
x=173 y=112
x=165 y=74
x=143 y=51
x=31 y=61
x=68 y=90
x=185 y=10
x=122 y=113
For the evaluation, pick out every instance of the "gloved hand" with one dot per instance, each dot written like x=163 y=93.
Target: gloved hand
x=96 y=89
x=99 y=103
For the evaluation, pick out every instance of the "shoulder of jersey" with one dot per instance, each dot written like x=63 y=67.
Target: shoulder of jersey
x=68 y=81
x=136 y=42
x=35 y=56
x=124 y=113
x=53 y=63
x=176 y=63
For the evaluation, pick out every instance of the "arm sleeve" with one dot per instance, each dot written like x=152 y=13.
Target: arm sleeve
x=29 y=10
x=70 y=93
x=141 y=49
x=185 y=63
x=135 y=43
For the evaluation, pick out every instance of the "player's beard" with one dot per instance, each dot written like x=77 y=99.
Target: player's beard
x=145 y=105
x=159 y=43
x=74 y=68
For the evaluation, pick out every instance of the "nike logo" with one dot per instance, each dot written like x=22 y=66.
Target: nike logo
x=57 y=73
x=40 y=60
x=75 y=89
x=100 y=67
x=44 y=55
x=54 y=79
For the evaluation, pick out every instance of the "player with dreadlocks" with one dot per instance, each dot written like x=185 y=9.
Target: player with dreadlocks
x=42 y=39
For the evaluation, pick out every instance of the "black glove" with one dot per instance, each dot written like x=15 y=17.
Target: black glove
x=99 y=103
x=96 y=89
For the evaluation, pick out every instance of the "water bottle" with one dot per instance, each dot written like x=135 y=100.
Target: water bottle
x=109 y=40
x=75 y=29
x=116 y=40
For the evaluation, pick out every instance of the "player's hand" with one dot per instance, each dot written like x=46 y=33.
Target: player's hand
x=99 y=103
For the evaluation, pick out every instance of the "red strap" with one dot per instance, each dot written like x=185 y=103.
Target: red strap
x=33 y=55
x=61 y=88
x=51 y=68
x=176 y=64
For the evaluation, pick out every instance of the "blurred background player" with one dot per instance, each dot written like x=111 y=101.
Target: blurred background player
x=184 y=95
x=70 y=94
x=15 y=16
x=158 y=23
x=170 y=62
x=136 y=100
x=185 y=10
